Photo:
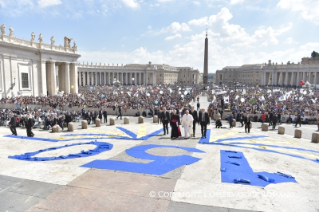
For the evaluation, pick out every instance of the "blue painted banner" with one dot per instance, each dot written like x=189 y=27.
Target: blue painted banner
x=236 y=169
x=159 y=165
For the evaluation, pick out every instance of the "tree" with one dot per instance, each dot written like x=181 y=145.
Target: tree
x=315 y=54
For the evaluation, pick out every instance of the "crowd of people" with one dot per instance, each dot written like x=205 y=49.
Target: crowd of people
x=174 y=105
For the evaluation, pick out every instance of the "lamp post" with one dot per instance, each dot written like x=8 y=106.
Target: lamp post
x=13 y=84
x=133 y=80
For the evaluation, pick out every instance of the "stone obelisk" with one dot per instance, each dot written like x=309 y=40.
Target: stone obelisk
x=205 y=75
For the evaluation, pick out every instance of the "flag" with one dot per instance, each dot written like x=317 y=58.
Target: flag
x=301 y=83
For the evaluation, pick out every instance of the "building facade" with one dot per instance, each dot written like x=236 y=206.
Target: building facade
x=31 y=67
x=289 y=74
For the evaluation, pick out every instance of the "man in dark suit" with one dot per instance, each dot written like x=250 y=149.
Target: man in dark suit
x=68 y=118
x=247 y=123
x=120 y=112
x=194 y=114
x=165 y=119
x=198 y=105
x=105 y=115
x=13 y=124
x=28 y=126
x=88 y=117
x=100 y=115
x=61 y=122
x=203 y=121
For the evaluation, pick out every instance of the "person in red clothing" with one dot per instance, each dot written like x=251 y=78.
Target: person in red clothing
x=263 y=118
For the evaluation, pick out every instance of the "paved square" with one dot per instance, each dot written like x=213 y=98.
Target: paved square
x=64 y=185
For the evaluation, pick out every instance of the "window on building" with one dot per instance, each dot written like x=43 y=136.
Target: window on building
x=25 y=80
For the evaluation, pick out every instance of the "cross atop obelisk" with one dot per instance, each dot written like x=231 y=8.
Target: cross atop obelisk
x=205 y=75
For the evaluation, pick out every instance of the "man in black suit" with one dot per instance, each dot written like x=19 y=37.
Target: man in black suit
x=120 y=112
x=68 y=118
x=203 y=121
x=28 y=126
x=194 y=114
x=13 y=124
x=247 y=123
x=165 y=120
x=105 y=115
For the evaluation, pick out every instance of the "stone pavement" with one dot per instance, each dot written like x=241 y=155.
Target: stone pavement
x=65 y=185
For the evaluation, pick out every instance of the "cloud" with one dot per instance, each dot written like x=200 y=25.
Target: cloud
x=164 y=0
x=173 y=37
x=48 y=3
x=290 y=40
x=131 y=4
x=233 y=33
x=196 y=2
x=199 y=22
x=308 y=8
x=173 y=28
x=236 y=1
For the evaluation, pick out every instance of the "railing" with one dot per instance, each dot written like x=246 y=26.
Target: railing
x=37 y=45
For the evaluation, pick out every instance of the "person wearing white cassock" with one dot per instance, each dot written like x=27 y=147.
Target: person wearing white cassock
x=187 y=123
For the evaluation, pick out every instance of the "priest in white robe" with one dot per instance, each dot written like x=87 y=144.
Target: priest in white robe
x=187 y=124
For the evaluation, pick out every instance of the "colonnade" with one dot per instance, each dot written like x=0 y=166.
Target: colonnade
x=86 y=77
x=59 y=76
x=289 y=78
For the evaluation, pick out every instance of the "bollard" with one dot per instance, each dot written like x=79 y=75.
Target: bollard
x=140 y=119
x=281 y=130
x=234 y=123
x=112 y=121
x=264 y=127
x=298 y=133
x=155 y=119
x=126 y=120
x=56 y=128
x=84 y=124
x=97 y=122
x=70 y=127
x=315 y=138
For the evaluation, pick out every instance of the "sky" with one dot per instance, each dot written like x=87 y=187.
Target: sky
x=172 y=31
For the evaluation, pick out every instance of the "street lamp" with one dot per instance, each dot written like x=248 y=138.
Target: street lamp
x=133 y=80
x=13 y=84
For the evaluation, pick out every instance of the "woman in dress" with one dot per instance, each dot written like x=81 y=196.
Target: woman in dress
x=175 y=122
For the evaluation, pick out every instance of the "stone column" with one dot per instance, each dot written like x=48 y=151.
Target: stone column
x=73 y=77
x=51 y=77
x=146 y=78
x=140 y=78
x=84 y=78
x=310 y=78
x=92 y=79
x=35 y=79
x=62 y=78
x=122 y=78
x=43 y=77
x=292 y=82
x=315 y=79
x=298 y=78
x=66 y=77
